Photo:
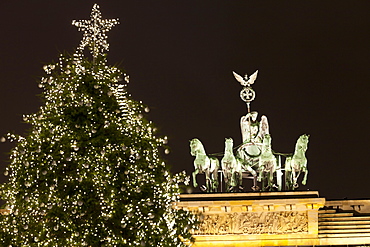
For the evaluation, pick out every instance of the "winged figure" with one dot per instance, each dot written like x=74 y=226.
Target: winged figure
x=246 y=81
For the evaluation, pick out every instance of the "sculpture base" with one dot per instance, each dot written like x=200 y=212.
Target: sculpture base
x=277 y=219
x=255 y=219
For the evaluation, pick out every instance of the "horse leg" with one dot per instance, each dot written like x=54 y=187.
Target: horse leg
x=215 y=180
x=272 y=184
x=253 y=172
x=226 y=179
x=263 y=185
x=240 y=180
x=270 y=181
x=230 y=183
x=295 y=178
x=287 y=180
x=290 y=180
x=195 y=173
x=304 y=181
x=255 y=187
x=288 y=174
x=208 y=180
x=260 y=173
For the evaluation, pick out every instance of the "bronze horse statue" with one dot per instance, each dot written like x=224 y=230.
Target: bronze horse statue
x=297 y=164
x=231 y=167
x=267 y=164
x=204 y=165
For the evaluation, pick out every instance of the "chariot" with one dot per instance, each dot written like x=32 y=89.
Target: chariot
x=253 y=159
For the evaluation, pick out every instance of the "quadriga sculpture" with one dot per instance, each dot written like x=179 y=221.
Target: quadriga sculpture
x=231 y=167
x=296 y=164
x=204 y=165
x=267 y=164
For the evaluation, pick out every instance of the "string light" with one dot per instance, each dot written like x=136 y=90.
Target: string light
x=95 y=32
x=89 y=172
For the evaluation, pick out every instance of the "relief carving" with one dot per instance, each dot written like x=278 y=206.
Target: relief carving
x=284 y=222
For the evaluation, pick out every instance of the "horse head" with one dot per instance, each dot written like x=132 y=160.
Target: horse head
x=267 y=159
x=266 y=143
x=229 y=143
x=302 y=143
x=193 y=146
x=196 y=146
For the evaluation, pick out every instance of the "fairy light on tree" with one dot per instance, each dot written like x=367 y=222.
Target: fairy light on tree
x=89 y=173
x=95 y=32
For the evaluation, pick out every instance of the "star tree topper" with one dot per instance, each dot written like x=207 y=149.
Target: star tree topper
x=95 y=32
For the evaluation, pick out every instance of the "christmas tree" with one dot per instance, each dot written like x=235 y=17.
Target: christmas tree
x=89 y=172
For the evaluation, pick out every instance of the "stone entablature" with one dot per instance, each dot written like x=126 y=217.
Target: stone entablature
x=361 y=206
x=255 y=219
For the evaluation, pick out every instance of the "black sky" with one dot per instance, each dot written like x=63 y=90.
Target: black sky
x=313 y=59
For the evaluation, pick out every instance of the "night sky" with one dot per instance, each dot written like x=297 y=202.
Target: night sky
x=313 y=59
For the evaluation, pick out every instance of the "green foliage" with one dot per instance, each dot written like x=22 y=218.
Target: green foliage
x=89 y=172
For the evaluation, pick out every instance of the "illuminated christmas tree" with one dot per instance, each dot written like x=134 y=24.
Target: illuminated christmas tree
x=89 y=172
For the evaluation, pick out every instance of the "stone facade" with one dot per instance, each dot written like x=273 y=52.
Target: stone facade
x=276 y=219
